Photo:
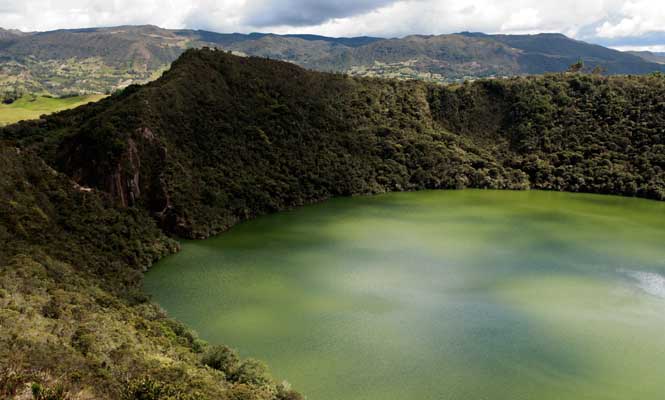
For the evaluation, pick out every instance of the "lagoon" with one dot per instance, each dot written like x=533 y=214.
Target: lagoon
x=438 y=295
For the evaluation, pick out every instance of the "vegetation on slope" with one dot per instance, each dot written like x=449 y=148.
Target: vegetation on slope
x=570 y=132
x=247 y=136
x=75 y=324
x=219 y=139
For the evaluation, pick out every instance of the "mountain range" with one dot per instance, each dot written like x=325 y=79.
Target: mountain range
x=101 y=60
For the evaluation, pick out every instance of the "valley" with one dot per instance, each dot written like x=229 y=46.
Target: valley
x=32 y=107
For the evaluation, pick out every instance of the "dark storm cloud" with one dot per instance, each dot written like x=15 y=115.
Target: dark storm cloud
x=306 y=12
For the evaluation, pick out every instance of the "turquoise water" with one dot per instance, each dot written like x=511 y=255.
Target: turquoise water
x=438 y=295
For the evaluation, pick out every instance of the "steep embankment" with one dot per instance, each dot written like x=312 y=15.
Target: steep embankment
x=222 y=138
x=219 y=139
x=74 y=323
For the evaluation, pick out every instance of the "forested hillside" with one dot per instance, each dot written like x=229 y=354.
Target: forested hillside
x=92 y=195
x=222 y=138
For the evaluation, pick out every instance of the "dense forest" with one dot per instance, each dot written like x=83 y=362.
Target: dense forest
x=91 y=197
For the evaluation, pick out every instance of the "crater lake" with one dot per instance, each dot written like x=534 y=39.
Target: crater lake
x=438 y=295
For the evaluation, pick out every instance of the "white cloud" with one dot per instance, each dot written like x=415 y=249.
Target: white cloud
x=442 y=16
x=32 y=15
x=654 y=49
x=586 y=19
x=216 y=15
x=525 y=19
x=625 y=27
x=635 y=18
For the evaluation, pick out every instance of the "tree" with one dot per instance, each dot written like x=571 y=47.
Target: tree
x=577 y=67
x=599 y=70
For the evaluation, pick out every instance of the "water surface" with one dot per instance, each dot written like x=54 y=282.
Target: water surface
x=439 y=295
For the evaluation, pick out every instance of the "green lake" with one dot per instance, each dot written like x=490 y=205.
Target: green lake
x=438 y=295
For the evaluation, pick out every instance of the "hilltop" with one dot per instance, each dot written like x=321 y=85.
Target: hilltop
x=102 y=60
x=93 y=196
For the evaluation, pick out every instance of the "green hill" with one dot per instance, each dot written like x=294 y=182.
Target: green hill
x=91 y=194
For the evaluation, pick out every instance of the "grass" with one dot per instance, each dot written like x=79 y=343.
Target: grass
x=32 y=107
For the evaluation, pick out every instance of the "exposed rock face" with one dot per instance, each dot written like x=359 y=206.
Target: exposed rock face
x=126 y=176
x=123 y=183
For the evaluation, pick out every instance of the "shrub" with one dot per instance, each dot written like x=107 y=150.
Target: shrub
x=56 y=392
x=83 y=340
x=251 y=372
x=240 y=392
x=222 y=358
x=10 y=381
x=284 y=392
x=146 y=388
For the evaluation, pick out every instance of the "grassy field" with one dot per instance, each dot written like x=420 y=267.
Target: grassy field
x=30 y=107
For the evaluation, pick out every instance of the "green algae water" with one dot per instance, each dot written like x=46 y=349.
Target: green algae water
x=440 y=295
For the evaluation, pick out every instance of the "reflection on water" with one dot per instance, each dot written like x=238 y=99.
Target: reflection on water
x=650 y=282
x=438 y=295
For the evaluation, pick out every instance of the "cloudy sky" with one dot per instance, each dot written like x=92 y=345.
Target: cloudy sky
x=615 y=23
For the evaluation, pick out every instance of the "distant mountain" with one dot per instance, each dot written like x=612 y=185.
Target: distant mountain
x=553 y=52
x=444 y=57
x=8 y=34
x=649 y=56
x=104 y=59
